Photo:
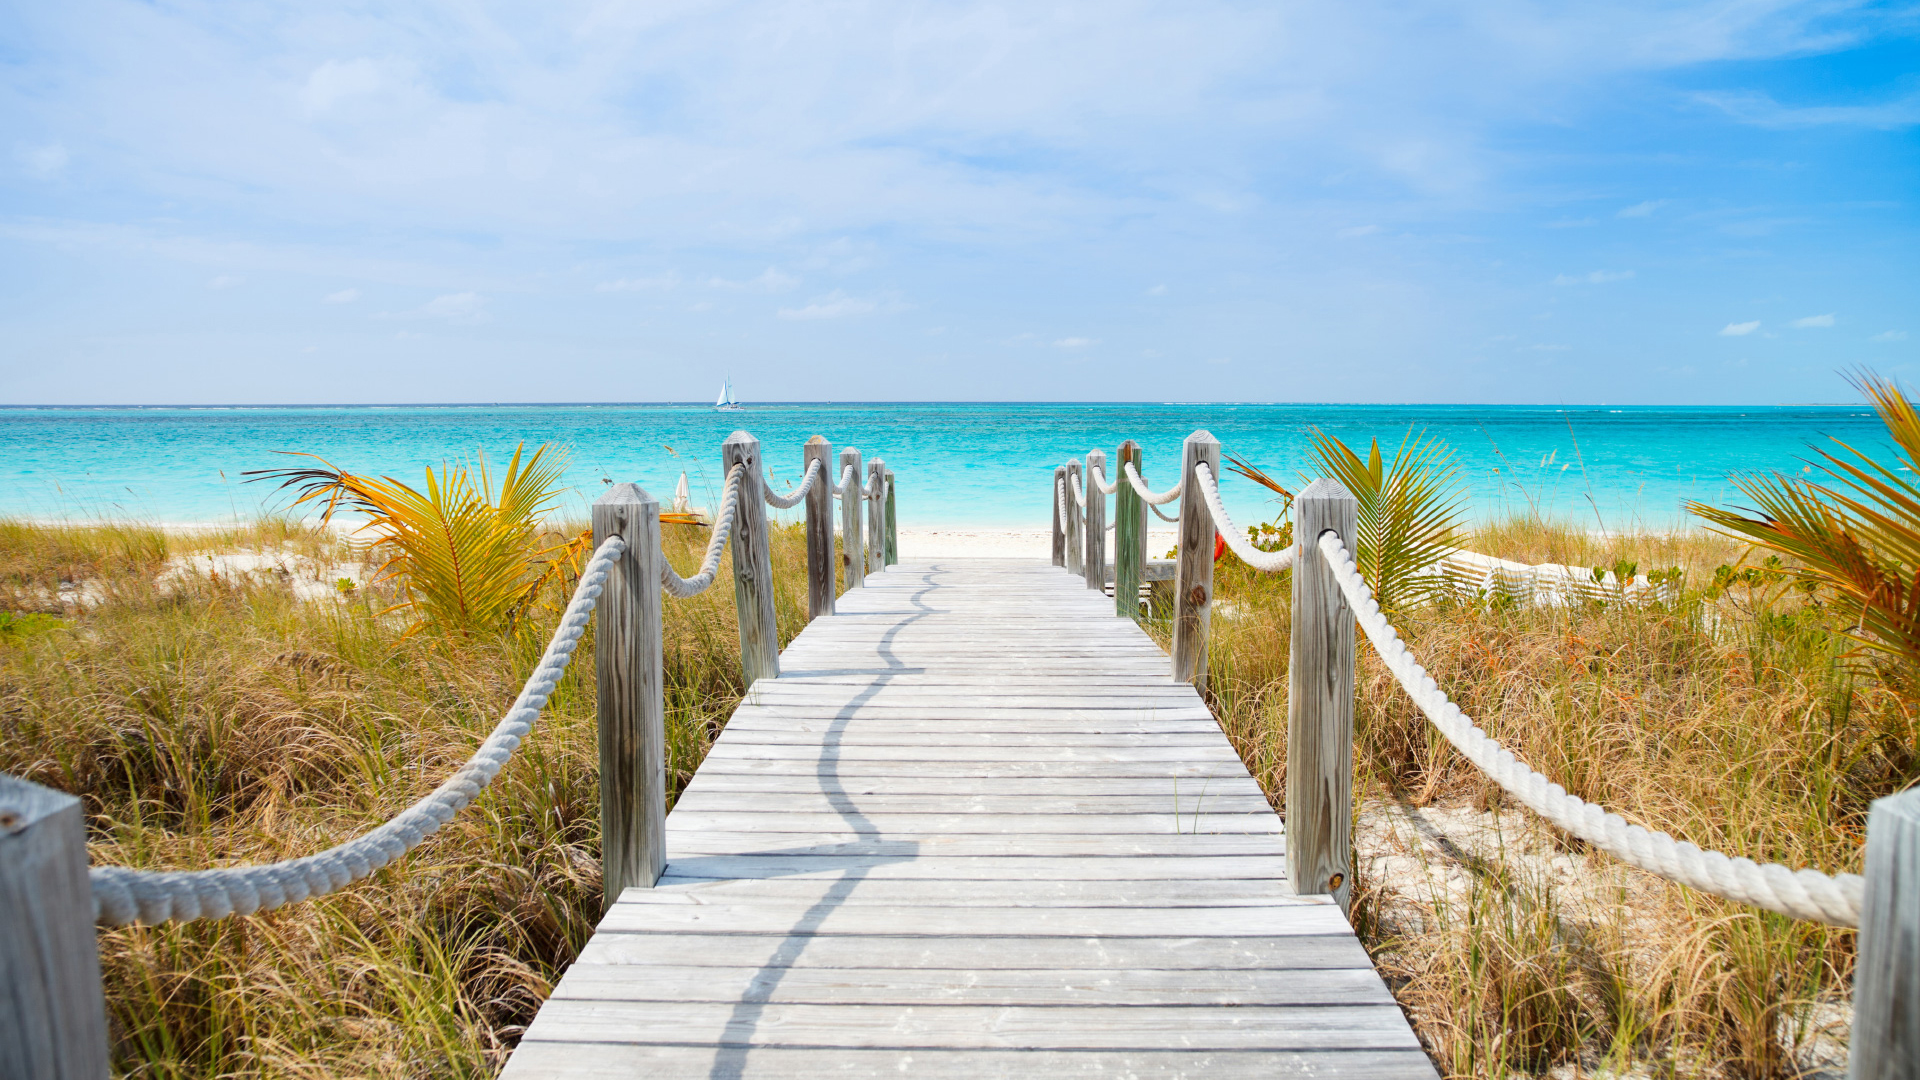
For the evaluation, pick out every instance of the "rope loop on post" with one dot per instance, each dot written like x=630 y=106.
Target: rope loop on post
x=789 y=501
x=1152 y=498
x=1800 y=894
x=1267 y=562
x=1098 y=474
x=122 y=895
x=683 y=588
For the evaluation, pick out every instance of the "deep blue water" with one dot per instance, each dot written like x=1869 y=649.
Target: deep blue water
x=956 y=463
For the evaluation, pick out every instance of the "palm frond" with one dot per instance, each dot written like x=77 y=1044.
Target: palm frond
x=1409 y=514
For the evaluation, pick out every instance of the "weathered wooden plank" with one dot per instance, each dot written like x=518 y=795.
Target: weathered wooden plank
x=849 y=841
x=1247 y=1027
x=752 y=561
x=1200 y=822
x=848 y=771
x=1083 y=987
x=1169 y=952
x=820 y=565
x=1169 y=894
x=595 y=1061
x=704 y=798
x=1203 y=870
x=967 y=786
x=53 y=1018
x=1320 y=701
x=629 y=693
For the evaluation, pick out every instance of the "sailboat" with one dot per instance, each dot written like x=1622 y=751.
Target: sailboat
x=725 y=400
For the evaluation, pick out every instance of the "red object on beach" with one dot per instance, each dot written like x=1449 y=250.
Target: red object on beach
x=1219 y=546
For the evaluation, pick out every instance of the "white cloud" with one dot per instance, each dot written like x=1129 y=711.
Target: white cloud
x=339 y=80
x=1890 y=335
x=1642 y=209
x=224 y=281
x=1739 y=329
x=834 y=305
x=1812 y=322
x=1073 y=343
x=769 y=280
x=1157 y=290
x=461 y=307
x=642 y=284
x=1597 y=277
x=344 y=296
x=42 y=162
x=1761 y=110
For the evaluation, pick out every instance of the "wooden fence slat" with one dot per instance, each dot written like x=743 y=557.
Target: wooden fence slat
x=853 y=548
x=1193 y=570
x=752 y=562
x=629 y=691
x=1320 y=702
x=820 y=573
x=1096 y=555
x=1129 y=532
x=53 y=1017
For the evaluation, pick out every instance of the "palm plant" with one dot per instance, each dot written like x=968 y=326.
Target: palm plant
x=1409 y=515
x=1855 y=531
x=463 y=553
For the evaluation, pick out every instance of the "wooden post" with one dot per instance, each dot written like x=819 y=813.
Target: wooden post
x=53 y=1016
x=630 y=690
x=1320 y=703
x=877 y=516
x=1193 y=572
x=1074 y=521
x=1096 y=557
x=752 y=562
x=1059 y=523
x=1129 y=533
x=853 y=549
x=820 y=530
x=1886 y=973
x=893 y=525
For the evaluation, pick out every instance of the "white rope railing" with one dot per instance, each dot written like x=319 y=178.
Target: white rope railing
x=1153 y=498
x=1099 y=476
x=1265 y=561
x=1800 y=894
x=683 y=588
x=1073 y=485
x=1163 y=515
x=846 y=484
x=122 y=895
x=792 y=498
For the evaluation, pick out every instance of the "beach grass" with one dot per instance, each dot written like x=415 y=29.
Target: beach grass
x=1731 y=718
x=207 y=720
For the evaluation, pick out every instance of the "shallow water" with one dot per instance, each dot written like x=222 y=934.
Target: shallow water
x=984 y=464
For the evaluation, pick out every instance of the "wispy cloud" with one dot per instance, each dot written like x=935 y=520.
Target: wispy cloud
x=668 y=280
x=1753 y=107
x=771 y=279
x=42 y=162
x=834 y=305
x=1157 y=290
x=1889 y=335
x=1812 y=322
x=1739 y=329
x=224 y=281
x=1641 y=209
x=461 y=307
x=1596 y=277
x=1073 y=343
x=344 y=296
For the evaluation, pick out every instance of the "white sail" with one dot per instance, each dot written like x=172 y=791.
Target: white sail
x=726 y=396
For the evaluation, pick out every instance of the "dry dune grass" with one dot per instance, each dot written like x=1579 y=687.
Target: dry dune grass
x=1731 y=720
x=222 y=721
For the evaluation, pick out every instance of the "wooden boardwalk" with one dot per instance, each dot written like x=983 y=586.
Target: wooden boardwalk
x=973 y=830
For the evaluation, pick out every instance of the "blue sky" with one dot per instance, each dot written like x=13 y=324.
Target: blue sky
x=1348 y=201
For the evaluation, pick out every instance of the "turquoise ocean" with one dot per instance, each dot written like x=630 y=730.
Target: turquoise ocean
x=956 y=463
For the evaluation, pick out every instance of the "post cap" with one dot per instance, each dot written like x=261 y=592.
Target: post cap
x=620 y=494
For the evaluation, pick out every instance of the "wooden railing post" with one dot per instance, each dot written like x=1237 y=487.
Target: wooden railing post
x=752 y=562
x=820 y=530
x=893 y=525
x=1129 y=533
x=1193 y=572
x=53 y=1016
x=1074 y=520
x=1096 y=558
x=1886 y=974
x=1060 y=523
x=630 y=688
x=1320 y=703
x=877 y=516
x=853 y=548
